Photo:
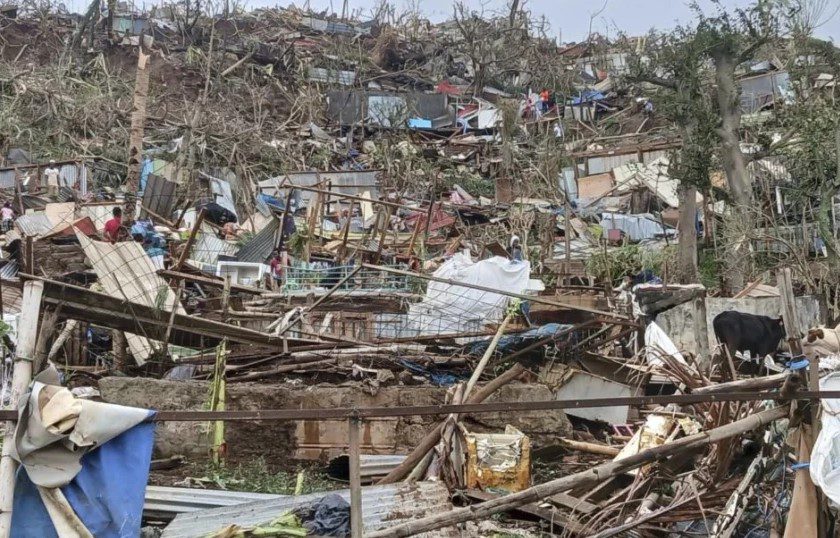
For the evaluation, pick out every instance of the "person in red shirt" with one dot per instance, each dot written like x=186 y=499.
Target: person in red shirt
x=113 y=226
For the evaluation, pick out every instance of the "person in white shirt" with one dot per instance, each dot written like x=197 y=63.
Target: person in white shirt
x=51 y=174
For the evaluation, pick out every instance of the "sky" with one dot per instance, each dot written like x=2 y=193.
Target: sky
x=569 y=19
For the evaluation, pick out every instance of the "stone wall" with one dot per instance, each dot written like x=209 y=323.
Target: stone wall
x=678 y=322
x=314 y=439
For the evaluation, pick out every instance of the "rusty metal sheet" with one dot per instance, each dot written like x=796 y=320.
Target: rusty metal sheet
x=159 y=197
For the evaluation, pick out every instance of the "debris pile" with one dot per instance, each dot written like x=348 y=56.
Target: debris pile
x=444 y=262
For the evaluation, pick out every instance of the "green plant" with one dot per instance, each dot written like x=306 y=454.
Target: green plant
x=627 y=260
x=258 y=476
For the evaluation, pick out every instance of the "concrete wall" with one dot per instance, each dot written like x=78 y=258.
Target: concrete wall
x=678 y=322
x=312 y=439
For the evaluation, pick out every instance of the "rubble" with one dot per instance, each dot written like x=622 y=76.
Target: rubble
x=446 y=261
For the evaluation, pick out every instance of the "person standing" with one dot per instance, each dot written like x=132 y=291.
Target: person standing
x=51 y=174
x=545 y=97
x=114 y=226
x=7 y=217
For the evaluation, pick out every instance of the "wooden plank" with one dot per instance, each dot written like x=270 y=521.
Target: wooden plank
x=554 y=517
x=356 y=522
x=189 y=331
x=573 y=503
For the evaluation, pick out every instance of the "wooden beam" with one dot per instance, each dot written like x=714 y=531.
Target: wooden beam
x=209 y=281
x=21 y=377
x=190 y=240
x=356 y=523
x=587 y=478
x=188 y=331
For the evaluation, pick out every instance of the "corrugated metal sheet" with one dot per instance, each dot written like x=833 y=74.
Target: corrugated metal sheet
x=12 y=298
x=332 y=76
x=159 y=196
x=9 y=270
x=98 y=213
x=370 y=466
x=33 y=225
x=332 y=27
x=259 y=248
x=7 y=179
x=353 y=182
x=387 y=109
x=126 y=272
x=382 y=506
x=208 y=247
x=162 y=501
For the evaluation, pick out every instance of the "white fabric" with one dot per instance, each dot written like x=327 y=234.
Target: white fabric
x=55 y=429
x=659 y=343
x=825 y=456
x=453 y=309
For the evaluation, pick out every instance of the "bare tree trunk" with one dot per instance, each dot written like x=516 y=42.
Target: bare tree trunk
x=735 y=166
x=687 y=231
x=825 y=214
x=78 y=35
x=135 y=141
x=514 y=9
x=729 y=103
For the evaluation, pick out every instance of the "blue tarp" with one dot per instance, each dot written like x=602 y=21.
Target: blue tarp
x=587 y=97
x=514 y=342
x=419 y=123
x=107 y=494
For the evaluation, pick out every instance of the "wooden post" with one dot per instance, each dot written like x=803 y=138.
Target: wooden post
x=431 y=439
x=356 y=525
x=135 y=141
x=190 y=240
x=21 y=377
x=225 y=298
x=118 y=345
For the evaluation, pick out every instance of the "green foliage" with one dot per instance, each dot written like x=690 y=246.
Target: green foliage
x=627 y=260
x=258 y=476
x=710 y=269
x=298 y=240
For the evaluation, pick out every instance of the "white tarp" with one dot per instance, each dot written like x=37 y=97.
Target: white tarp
x=452 y=309
x=658 y=343
x=825 y=456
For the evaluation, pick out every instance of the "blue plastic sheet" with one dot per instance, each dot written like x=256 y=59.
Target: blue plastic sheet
x=515 y=342
x=107 y=494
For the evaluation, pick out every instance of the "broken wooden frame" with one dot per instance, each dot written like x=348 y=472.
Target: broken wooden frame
x=189 y=331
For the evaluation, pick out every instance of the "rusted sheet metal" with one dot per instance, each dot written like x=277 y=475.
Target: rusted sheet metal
x=159 y=197
x=499 y=460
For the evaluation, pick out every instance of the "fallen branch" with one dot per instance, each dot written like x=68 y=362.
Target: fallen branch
x=586 y=478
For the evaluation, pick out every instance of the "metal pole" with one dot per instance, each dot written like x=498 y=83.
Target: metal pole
x=355 y=480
